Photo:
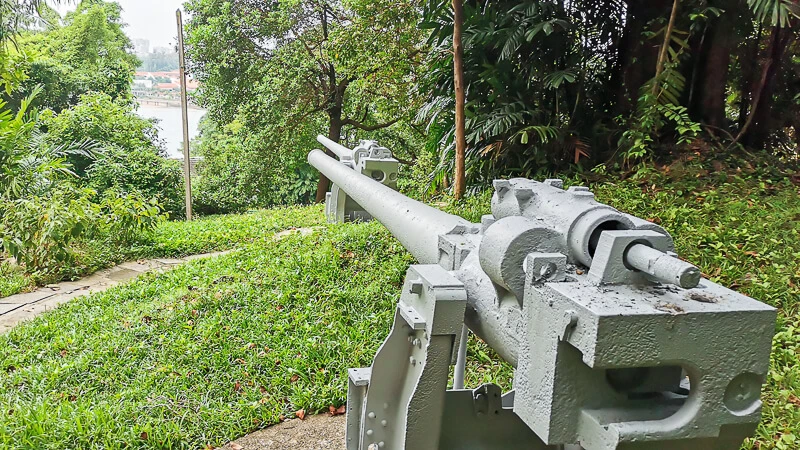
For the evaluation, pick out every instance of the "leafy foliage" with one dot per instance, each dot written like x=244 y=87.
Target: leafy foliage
x=139 y=172
x=286 y=71
x=89 y=53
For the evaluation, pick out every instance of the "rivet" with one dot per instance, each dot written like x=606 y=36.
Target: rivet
x=369 y=432
x=371 y=415
x=385 y=406
x=381 y=444
x=384 y=422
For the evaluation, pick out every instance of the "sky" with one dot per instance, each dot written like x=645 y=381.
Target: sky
x=153 y=20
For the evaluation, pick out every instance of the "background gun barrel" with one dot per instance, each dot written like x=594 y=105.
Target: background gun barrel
x=338 y=149
x=416 y=225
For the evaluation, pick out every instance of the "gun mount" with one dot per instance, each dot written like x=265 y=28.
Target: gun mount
x=616 y=343
x=368 y=159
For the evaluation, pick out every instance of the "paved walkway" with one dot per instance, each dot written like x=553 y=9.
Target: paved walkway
x=17 y=308
x=321 y=432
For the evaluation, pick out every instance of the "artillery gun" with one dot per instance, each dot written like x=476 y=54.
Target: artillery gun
x=369 y=159
x=616 y=343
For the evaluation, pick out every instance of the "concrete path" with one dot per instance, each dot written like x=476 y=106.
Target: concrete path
x=17 y=308
x=313 y=433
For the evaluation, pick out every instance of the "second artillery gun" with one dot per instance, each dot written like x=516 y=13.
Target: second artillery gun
x=616 y=343
x=370 y=159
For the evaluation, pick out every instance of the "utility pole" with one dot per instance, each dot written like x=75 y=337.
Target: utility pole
x=187 y=167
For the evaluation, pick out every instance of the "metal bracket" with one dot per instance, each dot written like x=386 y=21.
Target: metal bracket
x=401 y=406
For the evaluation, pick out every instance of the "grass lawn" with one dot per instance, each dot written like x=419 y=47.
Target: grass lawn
x=217 y=348
x=172 y=239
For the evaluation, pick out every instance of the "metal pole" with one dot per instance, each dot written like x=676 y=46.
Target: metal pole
x=187 y=176
x=338 y=149
x=416 y=225
x=461 y=362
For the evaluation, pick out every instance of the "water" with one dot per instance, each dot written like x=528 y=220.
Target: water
x=169 y=125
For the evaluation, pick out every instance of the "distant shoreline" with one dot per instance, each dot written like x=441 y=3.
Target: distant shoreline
x=164 y=103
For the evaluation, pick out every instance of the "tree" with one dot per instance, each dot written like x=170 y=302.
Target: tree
x=278 y=65
x=90 y=52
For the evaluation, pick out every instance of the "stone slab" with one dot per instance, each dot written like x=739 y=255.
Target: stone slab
x=314 y=433
x=7 y=307
x=123 y=274
x=21 y=299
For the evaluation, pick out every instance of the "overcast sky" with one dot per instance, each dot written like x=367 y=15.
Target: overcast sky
x=153 y=20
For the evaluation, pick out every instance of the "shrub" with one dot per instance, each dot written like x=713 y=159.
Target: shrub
x=109 y=123
x=140 y=172
x=39 y=231
x=126 y=216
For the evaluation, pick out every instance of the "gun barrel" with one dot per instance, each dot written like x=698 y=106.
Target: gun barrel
x=416 y=225
x=339 y=150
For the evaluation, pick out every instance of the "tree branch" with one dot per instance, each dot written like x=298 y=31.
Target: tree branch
x=361 y=126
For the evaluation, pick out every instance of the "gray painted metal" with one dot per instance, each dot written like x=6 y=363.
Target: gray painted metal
x=416 y=225
x=617 y=344
x=341 y=152
x=369 y=159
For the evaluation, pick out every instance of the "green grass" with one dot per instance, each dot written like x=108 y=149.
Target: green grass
x=217 y=348
x=12 y=279
x=169 y=239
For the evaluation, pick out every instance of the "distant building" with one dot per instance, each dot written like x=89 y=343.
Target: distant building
x=145 y=84
x=141 y=47
x=168 y=86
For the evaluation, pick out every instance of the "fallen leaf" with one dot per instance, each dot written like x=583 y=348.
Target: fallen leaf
x=301 y=414
x=63 y=352
x=143 y=436
x=251 y=346
x=334 y=411
x=294 y=378
x=235 y=446
x=237 y=387
x=279 y=307
x=240 y=361
x=793 y=399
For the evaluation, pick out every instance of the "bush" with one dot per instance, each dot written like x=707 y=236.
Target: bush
x=39 y=231
x=139 y=172
x=109 y=123
x=126 y=216
x=43 y=232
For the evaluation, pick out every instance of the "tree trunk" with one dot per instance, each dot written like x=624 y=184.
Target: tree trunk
x=458 y=79
x=662 y=57
x=756 y=128
x=637 y=56
x=748 y=63
x=707 y=104
x=334 y=134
